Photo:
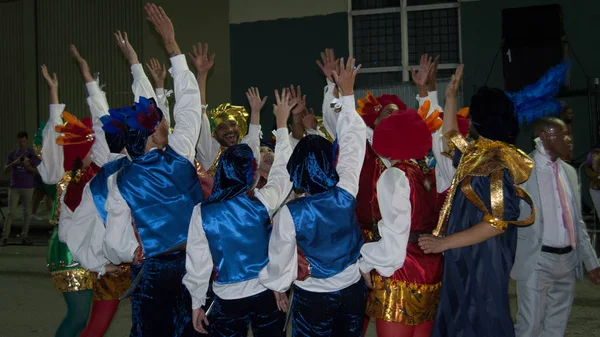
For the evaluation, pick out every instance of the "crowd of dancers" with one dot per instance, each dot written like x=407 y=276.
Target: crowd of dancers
x=376 y=213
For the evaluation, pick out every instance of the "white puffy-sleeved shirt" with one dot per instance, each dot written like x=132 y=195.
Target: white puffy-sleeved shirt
x=387 y=255
x=199 y=264
x=282 y=269
x=120 y=242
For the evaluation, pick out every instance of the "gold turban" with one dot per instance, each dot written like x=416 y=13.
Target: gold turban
x=234 y=113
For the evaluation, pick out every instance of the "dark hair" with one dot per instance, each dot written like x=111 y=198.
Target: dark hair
x=544 y=124
x=22 y=134
x=493 y=116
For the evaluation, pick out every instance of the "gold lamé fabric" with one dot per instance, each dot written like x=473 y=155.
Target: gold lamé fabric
x=230 y=112
x=485 y=157
x=111 y=286
x=402 y=302
x=72 y=280
x=212 y=170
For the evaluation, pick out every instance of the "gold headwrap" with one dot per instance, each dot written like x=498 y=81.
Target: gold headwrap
x=234 y=113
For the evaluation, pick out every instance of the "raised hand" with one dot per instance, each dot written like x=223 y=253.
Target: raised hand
x=309 y=121
x=202 y=61
x=420 y=78
x=52 y=84
x=282 y=108
x=198 y=319
x=296 y=97
x=51 y=81
x=164 y=28
x=328 y=63
x=256 y=103
x=157 y=71
x=126 y=48
x=452 y=87
x=346 y=76
x=432 y=77
x=84 y=68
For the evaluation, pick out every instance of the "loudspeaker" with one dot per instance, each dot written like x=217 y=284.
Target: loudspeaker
x=533 y=41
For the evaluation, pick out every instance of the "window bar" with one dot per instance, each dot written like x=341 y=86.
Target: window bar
x=404 y=41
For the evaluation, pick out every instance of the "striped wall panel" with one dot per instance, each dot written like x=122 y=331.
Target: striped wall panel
x=11 y=78
x=90 y=26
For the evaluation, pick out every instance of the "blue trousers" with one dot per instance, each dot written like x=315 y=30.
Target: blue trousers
x=161 y=305
x=231 y=318
x=339 y=313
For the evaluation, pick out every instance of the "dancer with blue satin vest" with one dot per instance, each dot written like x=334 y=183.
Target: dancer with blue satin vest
x=330 y=300
x=150 y=201
x=232 y=229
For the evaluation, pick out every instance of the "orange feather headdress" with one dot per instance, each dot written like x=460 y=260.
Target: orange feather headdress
x=77 y=137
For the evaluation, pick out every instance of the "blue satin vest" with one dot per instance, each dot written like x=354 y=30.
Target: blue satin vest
x=99 y=184
x=161 y=189
x=327 y=231
x=238 y=232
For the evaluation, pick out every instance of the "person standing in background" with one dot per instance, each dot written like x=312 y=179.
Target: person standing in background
x=21 y=163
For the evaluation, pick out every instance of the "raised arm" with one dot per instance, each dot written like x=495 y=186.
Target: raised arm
x=188 y=108
x=141 y=85
x=51 y=169
x=351 y=130
x=98 y=108
x=252 y=139
x=158 y=72
x=203 y=63
x=278 y=186
x=328 y=64
x=450 y=110
x=420 y=77
x=297 y=112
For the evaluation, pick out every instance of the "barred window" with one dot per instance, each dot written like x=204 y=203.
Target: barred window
x=388 y=37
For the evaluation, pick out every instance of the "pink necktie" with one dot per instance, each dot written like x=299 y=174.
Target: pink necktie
x=566 y=212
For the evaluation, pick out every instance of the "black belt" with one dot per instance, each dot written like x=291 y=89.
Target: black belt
x=559 y=251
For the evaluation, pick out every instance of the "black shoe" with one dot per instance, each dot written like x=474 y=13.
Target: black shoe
x=27 y=242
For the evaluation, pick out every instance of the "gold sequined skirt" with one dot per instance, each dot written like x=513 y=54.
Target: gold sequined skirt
x=111 y=286
x=403 y=302
x=74 y=279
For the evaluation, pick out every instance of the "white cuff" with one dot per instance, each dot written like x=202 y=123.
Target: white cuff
x=159 y=91
x=137 y=70
x=56 y=111
x=348 y=101
x=93 y=88
x=178 y=64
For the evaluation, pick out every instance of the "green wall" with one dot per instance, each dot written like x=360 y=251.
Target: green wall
x=273 y=54
x=481 y=38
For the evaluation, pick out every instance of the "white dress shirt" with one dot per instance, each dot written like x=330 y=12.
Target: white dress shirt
x=282 y=268
x=199 y=263
x=120 y=242
x=555 y=232
x=387 y=255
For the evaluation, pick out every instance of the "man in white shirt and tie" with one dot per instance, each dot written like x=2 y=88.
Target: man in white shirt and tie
x=550 y=253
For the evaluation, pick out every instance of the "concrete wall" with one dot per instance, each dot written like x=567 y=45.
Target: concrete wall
x=482 y=32
x=276 y=43
x=36 y=32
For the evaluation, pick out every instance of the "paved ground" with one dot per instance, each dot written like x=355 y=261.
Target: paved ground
x=29 y=305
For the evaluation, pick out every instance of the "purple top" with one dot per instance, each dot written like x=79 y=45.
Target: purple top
x=20 y=177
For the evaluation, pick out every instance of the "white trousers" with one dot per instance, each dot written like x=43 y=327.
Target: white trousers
x=546 y=297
